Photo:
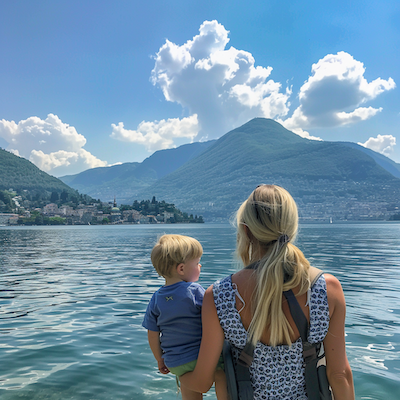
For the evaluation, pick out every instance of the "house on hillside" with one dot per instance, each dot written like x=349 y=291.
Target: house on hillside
x=131 y=216
x=50 y=209
x=8 y=219
x=65 y=211
x=168 y=216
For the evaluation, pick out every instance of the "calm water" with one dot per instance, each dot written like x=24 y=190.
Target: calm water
x=72 y=301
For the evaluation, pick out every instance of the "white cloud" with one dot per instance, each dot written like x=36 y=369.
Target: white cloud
x=159 y=134
x=383 y=144
x=53 y=146
x=333 y=93
x=305 y=134
x=223 y=87
x=359 y=114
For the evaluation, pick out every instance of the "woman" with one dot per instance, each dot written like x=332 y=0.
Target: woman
x=250 y=304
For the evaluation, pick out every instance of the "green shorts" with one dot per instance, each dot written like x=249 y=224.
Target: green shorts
x=189 y=367
x=182 y=369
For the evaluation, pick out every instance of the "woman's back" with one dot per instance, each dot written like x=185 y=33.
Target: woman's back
x=276 y=371
x=267 y=224
x=245 y=281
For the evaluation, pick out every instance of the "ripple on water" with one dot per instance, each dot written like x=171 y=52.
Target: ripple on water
x=73 y=298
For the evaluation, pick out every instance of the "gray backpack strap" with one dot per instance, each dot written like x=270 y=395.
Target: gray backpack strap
x=317 y=385
x=310 y=351
x=237 y=373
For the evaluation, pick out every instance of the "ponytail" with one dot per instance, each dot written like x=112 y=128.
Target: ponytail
x=286 y=260
x=269 y=220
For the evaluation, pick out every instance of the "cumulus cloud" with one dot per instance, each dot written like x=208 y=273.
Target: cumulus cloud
x=223 y=87
x=332 y=95
x=383 y=144
x=159 y=134
x=52 y=145
x=305 y=134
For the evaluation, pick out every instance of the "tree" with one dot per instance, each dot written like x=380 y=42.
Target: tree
x=63 y=196
x=136 y=205
x=39 y=220
x=74 y=200
x=54 y=197
x=57 y=221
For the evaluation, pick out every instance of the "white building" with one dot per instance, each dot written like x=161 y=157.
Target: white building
x=8 y=219
x=50 y=209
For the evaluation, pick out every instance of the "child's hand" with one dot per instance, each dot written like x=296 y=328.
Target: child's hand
x=162 y=367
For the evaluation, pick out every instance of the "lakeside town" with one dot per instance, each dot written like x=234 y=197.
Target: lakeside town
x=97 y=213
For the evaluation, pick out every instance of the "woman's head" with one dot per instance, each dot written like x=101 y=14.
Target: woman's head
x=263 y=218
x=267 y=225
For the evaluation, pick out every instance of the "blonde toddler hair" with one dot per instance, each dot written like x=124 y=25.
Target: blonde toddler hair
x=172 y=250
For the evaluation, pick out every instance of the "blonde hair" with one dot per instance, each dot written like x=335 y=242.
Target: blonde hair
x=270 y=215
x=172 y=250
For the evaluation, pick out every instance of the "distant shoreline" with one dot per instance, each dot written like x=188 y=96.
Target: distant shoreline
x=186 y=224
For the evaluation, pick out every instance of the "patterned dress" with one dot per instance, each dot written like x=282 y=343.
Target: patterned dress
x=277 y=373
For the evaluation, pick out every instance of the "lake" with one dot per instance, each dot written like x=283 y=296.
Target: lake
x=72 y=300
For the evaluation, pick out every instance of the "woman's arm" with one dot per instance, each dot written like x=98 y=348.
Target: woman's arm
x=202 y=378
x=154 y=342
x=337 y=366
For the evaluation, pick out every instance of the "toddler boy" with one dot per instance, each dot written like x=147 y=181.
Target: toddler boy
x=173 y=316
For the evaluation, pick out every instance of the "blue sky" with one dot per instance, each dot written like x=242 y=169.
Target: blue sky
x=94 y=83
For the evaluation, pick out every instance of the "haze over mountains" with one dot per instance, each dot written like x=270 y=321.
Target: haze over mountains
x=328 y=179
x=125 y=181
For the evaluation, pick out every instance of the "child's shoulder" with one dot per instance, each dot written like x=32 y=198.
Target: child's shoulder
x=195 y=285
x=196 y=289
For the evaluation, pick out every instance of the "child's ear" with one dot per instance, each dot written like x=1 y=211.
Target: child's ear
x=179 y=268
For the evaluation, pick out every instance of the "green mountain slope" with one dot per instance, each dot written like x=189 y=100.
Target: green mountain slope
x=263 y=151
x=385 y=162
x=126 y=180
x=20 y=174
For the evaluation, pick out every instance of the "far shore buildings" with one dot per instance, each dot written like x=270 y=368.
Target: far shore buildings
x=8 y=219
x=89 y=214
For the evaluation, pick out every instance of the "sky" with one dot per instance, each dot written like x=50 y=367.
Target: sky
x=94 y=83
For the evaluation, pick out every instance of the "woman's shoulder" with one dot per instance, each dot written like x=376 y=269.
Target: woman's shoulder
x=221 y=284
x=332 y=281
x=325 y=279
x=334 y=293
x=333 y=286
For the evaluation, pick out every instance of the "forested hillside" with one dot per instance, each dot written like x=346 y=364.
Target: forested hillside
x=20 y=174
x=34 y=188
x=328 y=179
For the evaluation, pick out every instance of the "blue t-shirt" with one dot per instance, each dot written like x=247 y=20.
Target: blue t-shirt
x=175 y=311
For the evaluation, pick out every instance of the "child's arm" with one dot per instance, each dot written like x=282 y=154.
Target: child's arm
x=201 y=379
x=154 y=342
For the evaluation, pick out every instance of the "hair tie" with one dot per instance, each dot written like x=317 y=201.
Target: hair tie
x=283 y=239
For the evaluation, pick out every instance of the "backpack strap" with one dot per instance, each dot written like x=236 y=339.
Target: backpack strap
x=314 y=274
x=237 y=373
x=310 y=351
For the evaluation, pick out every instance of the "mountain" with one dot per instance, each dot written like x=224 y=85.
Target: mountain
x=126 y=180
x=386 y=163
x=327 y=179
x=20 y=174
